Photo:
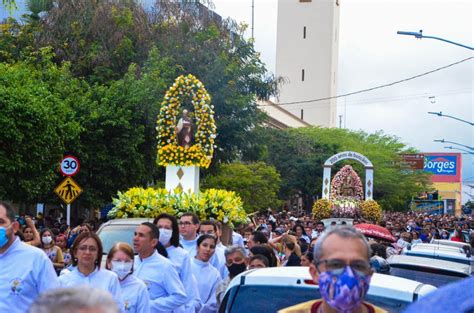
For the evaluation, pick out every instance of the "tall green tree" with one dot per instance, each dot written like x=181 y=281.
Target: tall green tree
x=256 y=183
x=37 y=120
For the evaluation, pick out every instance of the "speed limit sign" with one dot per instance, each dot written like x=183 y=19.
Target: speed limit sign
x=69 y=165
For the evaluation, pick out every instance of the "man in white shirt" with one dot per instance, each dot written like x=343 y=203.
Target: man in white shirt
x=188 y=229
x=25 y=271
x=161 y=278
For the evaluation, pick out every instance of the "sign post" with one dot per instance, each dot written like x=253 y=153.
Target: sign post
x=68 y=190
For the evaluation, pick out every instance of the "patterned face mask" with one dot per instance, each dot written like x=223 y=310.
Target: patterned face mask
x=345 y=291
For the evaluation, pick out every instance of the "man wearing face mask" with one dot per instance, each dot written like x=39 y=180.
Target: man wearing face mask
x=236 y=263
x=342 y=270
x=169 y=238
x=25 y=271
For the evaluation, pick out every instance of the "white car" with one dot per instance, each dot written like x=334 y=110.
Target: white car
x=118 y=230
x=442 y=252
x=271 y=289
x=450 y=243
x=428 y=271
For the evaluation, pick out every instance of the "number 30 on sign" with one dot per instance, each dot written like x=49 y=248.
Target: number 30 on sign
x=69 y=165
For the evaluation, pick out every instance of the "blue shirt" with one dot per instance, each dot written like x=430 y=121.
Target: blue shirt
x=208 y=278
x=189 y=245
x=182 y=263
x=99 y=278
x=161 y=278
x=135 y=295
x=25 y=272
x=456 y=297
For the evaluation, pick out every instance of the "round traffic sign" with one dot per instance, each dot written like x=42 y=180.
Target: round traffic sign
x=69 y=165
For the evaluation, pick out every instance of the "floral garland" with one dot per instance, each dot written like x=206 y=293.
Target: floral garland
x=221 y=205
x=322 y=209
x=345 y=207
x=199 y=154
x=371 y=210
x=344 y=174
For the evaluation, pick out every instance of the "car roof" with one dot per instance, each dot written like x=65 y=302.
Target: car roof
x=450 y=243
x=435 y=247
x=432 y=263
x=126 y=221
x=298 y=276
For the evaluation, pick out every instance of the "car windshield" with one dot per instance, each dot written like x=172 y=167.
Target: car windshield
x=112 y=234
x=264 y=298
x=435 y=277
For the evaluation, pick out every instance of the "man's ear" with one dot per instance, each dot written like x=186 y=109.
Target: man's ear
x=154 y=242
x=314 y=272
x=15 y=227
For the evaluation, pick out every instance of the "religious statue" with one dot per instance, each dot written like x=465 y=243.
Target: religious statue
x=347 y=187
x=184 y=130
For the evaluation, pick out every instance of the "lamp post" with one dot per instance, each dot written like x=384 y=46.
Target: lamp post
x=464 y=150
x=453 y=117
x=420 y=35
x=454 y=143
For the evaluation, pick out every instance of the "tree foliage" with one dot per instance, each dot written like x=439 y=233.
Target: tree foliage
x=123 y=58
x=256 y=183
x=37 y=121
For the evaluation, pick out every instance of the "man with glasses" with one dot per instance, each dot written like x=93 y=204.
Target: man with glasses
x=342 y=270
x=188 y=229
x=25 y=271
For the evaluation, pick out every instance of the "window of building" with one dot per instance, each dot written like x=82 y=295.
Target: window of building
x=304 y=32
x=302 y=75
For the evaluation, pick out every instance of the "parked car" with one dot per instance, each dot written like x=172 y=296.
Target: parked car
x=442 y=252
x=271 y=289
x=450 y=243
x=119 y=230
x=428 y=271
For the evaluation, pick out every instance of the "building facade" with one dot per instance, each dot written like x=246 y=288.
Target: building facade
x=307 y=58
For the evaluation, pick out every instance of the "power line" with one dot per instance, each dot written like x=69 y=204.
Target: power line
x=380 y=100
x=378 y=87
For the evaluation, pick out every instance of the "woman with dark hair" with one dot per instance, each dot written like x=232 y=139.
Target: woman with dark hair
x=53 y=252
x=134 y=290
x=207 y=277
x=86 y=254
x=307 y=258
x=169 y=238
x=267 y=252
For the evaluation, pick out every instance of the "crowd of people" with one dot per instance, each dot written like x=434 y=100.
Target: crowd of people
x=180 y=264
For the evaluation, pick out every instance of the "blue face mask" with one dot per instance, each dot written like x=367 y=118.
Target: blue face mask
x=3 y=236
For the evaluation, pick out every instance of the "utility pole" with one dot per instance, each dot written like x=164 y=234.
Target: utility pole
x=253 y=11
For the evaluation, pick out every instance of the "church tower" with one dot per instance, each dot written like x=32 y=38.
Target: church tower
x=307 y=58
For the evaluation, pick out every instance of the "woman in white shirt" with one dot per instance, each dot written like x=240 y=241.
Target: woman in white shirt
x=207 y=277
x=86 y=254
x=169 y=238
x=134 y=290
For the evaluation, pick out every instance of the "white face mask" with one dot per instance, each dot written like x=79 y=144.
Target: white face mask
x=122 y=268
x=165 y=236
x=47 y=240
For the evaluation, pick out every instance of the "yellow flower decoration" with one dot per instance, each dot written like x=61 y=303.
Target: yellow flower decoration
x=322 y=209
x=169 y=152
x=221 y=205
x=371 y=210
